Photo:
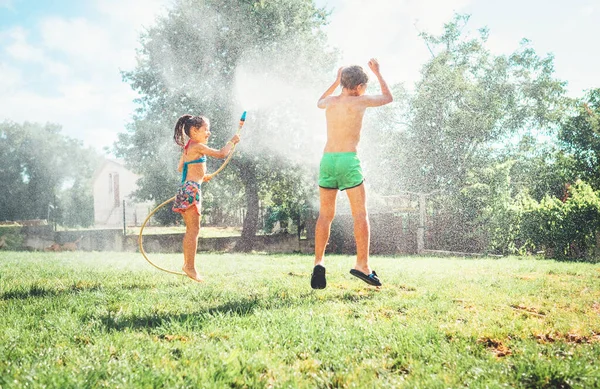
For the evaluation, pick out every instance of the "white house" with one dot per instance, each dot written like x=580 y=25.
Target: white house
x=113 y=186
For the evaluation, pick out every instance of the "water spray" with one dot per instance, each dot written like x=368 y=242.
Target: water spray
x=208 y=178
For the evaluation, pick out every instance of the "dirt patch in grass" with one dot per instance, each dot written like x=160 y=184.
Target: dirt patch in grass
x=171 y=338
x=570 y=337
x=495 y=346
x=530 y=310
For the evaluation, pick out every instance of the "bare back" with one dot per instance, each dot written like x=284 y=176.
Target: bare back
x=345 y=112
x=344 y=116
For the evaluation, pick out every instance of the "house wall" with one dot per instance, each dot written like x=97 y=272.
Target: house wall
x=113 y=184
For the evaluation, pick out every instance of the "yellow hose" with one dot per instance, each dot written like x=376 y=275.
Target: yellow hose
x=141 y=239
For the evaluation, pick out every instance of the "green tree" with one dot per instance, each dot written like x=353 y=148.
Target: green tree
x=579 y=135
x=287 y=196
x=539 y=168
x=39 y=178
x=384 y=141
x=469 y=107
x=187 y=64
x=470 y=101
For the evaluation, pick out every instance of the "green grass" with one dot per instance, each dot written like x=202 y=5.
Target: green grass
x=78 y=320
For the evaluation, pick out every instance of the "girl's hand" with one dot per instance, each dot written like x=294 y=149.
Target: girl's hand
x=235 y=139
x=207 y=177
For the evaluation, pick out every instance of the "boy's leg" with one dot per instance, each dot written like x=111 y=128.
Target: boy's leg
x=358 y=205
x=190 y=242
x=323 y=228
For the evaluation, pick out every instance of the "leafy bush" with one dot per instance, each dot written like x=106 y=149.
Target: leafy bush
x=11 y=238
x=482 y=217
x=276 y=214
x=489 y=212
x=494 y=220
x=566 y=230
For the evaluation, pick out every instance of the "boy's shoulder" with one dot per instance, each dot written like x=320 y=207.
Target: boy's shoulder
x=349 y=100
x=343 y=101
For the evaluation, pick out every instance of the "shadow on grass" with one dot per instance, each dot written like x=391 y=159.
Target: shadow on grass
x=38 y=291
x=245 y=306
x=242 y=307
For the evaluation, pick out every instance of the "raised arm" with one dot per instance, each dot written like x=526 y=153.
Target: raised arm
x=386 y=96
x=220 y=153
x=322 y=103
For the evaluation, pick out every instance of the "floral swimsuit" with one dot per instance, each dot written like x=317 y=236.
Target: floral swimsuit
x=189 y=193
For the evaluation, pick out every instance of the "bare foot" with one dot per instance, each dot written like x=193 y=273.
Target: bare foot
x=365 y=269
x=192 y=274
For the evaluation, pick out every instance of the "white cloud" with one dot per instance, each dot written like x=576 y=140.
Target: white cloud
x=133 y=13
x=82 y=109
x=431 y=15
x=19 y=48
x=500 y=45
x=10 y=77
x=589 y=9
x=6 y=4
x=70 y=75
x=78 y=38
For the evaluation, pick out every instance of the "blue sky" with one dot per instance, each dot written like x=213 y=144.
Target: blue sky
x=60 y=60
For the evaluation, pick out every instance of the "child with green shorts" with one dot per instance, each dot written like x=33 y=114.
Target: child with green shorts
x=340 y=167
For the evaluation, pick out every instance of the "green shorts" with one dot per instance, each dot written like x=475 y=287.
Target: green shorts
x=340 y=171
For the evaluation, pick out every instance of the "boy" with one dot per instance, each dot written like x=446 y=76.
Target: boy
x=340 y=167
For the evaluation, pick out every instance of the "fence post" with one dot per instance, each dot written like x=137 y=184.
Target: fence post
x=124 y=221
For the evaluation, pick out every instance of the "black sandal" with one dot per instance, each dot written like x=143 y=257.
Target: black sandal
x=370 y=279
x=317 y=279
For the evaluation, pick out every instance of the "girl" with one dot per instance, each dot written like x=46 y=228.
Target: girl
x=192 y=166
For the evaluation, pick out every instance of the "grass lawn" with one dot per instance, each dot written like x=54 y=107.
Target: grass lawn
x=79 y=320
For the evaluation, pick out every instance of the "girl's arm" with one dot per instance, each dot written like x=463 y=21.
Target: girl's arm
x=223 y=152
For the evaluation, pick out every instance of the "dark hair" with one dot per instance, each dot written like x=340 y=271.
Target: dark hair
x=353 y=76
x=184 y=124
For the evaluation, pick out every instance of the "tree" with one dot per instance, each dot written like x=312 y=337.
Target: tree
x=384 y=142
x=540 y=167
x=467 y=110
x=187 y=64
x=39 y=178
x=579 y=135
x=470 y=101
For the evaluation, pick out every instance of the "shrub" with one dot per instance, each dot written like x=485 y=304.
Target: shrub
x=11 y=238
x=565 y=229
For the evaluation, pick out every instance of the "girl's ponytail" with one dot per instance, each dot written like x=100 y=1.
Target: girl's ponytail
x=178 y=135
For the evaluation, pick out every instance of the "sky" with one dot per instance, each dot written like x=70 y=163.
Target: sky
x=61 y=60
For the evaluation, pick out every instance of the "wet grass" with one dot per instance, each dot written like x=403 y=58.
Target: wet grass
x=77 y=320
